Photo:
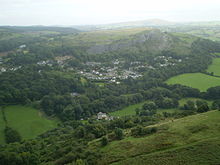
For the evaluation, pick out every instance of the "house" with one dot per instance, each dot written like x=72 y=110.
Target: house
x=22 y=46
x=101 y=116
x=74 y=94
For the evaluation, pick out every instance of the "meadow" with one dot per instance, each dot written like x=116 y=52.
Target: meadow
x=130 y=110
x=195 y=80
x=215 y=67
x=127 y=111
x=174 y=143
x=2 y=127
x=28 y=121
x=184 y=101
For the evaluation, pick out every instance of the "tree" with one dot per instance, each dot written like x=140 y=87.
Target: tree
x=118 y=133
x=11 y=135
x=150 y=106
x=216 y=104
x=190 y=105
x=80 y=162
x=203 y=108
x=104 y=141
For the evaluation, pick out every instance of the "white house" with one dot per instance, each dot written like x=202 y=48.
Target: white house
x=101 y=116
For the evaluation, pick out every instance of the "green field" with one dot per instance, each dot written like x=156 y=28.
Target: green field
x=130 y=110
x=184 y=101
x=27 y=121
x=195 y=80
x=2 y=127
x=171 y=110
x=215 y=67
x=190 y=140
x=127 y=111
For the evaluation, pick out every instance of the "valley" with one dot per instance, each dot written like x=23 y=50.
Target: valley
x=110 y=95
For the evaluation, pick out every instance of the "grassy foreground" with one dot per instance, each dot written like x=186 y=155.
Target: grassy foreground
x=195 y=80
x=190 y=140
x=28 y=121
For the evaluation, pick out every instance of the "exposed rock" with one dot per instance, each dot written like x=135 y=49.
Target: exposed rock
x=154 y=39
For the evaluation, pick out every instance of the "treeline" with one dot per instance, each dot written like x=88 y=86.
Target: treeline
x=32 y=83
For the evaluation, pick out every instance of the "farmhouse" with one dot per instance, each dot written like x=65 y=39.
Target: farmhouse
x=101 y=115
x=104 y=116
x=22 y=46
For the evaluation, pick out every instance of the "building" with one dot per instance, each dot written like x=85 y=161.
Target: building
x=101 y=116
x=22 y=46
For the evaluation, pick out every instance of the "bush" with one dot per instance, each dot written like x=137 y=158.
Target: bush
x=141 y=131
x=11 y=135
x=203 y=108
x=104 y=141
x=118 y=133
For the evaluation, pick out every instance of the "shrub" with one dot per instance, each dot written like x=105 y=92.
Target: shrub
x=11 y=135
x=104 y=141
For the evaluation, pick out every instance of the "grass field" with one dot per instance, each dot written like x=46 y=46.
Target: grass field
x=190 y=140
x=27 y=121
x=171 y=110
x=127 y=111
x=215 y=67
x=130 y=110
x=195 y=80
x=2 y=127
x=184 y=101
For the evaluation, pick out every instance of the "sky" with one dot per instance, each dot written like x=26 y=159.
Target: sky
x=89 y=12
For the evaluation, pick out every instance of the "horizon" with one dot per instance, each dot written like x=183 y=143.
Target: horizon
x=112 y=23
x=99 y=12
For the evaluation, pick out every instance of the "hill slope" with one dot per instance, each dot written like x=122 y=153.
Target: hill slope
x=183 y=141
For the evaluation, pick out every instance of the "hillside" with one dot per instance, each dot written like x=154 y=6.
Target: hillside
x=74 y=75
x=182 y=141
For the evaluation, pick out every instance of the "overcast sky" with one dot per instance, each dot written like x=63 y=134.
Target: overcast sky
x=76 y=12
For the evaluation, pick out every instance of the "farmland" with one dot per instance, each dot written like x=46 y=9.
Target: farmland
x=127 y=111
x=27 y=121
x=2 y=126
x=130 y=110
x=195 y=80
x=215 y=67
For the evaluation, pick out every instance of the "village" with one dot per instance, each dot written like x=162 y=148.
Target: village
x=112 y=72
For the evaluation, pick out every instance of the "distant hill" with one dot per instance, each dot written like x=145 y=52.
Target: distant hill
x=39 y=28
x=130 y=24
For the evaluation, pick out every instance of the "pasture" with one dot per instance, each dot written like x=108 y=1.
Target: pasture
x=215 y=67
x=28 y=121
x=195 y=80
x=184 y=101
x=2 y=127
x=127 y=111
x=130 y=110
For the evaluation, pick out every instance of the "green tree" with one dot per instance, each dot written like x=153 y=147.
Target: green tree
x=104 y=141
x=150 y=106
x=11 y=135
x=118 y=133
x=203 y=108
